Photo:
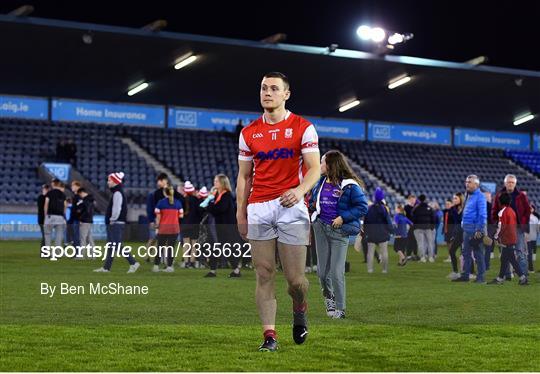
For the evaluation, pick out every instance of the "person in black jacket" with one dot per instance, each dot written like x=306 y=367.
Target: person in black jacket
x=455 y=232
x=424 y=221
x=221 y=205
x=191 y=223
x=412 y=246
x=85 y=212
x=378 y=228
x=41 y=214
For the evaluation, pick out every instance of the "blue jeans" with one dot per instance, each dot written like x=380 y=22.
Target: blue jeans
x=467 y=252
x=331 y=246
x=115 y=235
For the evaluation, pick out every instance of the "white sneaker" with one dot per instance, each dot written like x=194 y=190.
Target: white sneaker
x=423 y=259
x=168 y=269
x=453 y=276
x=314 y=268
x=339 y=314
x=155 y=269
x=330 y=306
x=472 y=277
x=101 y=270
x=133 y=268
x=492 y=255
x=385 y=271
x=370 y=271
x=431 y=259
x=448 y=260
x=307 y=270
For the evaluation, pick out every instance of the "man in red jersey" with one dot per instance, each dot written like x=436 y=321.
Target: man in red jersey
x=279 y=163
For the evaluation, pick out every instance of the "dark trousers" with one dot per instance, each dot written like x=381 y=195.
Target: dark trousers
x=42 y=234
x=532 y=249
x=508 y=256
x=412 y=245
x=214 y=260
x=164 y=240
x=487 y=254
x=115 y=235
x=452 y=249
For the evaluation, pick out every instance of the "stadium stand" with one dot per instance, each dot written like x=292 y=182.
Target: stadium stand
x=437 y=171
x=26 y=145
x=528 y=160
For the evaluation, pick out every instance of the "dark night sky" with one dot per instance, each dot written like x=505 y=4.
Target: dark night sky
x=507 y=32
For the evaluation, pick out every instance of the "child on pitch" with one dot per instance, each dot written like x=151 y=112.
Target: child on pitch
x=168 y=211
x=402 y=227
x=506 y=235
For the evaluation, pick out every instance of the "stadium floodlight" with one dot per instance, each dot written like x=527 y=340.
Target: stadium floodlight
x=526 y=118
x=348 y=106
x=477 y=60
x=396 y=38
x=378 y=34
x=399 y=82
x=22 y=11
x=185 y=62
x=137 y=89
x=364 y=32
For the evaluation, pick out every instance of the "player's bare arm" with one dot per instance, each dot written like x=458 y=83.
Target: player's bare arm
x=243 y=187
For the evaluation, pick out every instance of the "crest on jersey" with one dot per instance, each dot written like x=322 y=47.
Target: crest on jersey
x=288 y=133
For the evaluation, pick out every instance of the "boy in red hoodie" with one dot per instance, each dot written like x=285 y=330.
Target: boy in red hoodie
x=506 y=235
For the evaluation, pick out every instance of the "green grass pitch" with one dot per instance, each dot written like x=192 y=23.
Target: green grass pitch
x=412 y=319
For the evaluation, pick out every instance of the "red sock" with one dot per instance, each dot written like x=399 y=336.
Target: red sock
x=300 y=308
x=270 y=333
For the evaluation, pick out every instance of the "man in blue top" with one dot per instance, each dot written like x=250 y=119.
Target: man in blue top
x=474 y=223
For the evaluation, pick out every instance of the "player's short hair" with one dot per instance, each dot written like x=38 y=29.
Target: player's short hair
x=76 y=183
x=411 y=196
x=81 y=190
x=422 y=198
x=277 y=74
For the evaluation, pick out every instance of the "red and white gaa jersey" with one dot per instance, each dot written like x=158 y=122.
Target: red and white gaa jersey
x=276 y=151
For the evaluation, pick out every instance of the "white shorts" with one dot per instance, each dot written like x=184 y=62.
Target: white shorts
x=270 y=220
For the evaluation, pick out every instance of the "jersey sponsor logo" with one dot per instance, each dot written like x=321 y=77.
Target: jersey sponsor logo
x=241 y=152
x=275 y=154
x=257 y=135
x=288 y=133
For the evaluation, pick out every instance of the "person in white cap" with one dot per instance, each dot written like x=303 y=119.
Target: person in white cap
x=115 y=219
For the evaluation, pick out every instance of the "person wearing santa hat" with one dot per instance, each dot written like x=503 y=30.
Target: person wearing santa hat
x=115 y=219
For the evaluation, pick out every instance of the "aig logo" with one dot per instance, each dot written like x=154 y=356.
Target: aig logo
x=381 y=132
x=185 y=118
x=257 y=135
